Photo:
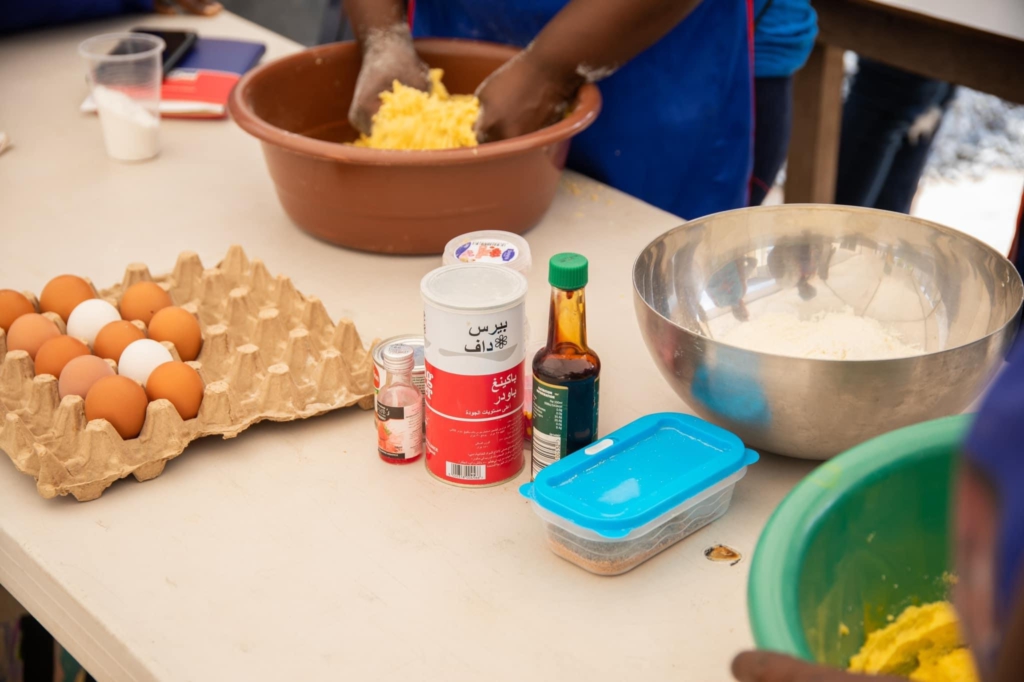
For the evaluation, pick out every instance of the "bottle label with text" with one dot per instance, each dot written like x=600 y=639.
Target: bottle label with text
x=564 y=417
x=399 y=431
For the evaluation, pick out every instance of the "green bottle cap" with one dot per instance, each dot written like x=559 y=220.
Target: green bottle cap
x=568 y=271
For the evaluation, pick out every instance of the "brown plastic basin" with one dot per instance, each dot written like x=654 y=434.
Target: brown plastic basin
x=402 y=202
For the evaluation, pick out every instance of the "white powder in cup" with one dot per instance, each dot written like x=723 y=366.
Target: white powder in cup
x=131 y=132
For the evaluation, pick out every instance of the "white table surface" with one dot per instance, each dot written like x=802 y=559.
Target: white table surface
x=292 y=552
x=1001 y=17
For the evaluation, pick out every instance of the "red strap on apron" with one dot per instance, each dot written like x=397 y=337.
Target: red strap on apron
x=410 y=11
x=1015 y=248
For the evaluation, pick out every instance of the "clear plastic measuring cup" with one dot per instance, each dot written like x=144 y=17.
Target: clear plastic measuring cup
x=125 y=75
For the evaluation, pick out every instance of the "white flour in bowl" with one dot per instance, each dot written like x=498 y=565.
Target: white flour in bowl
x=130 y=131
x=826 y=335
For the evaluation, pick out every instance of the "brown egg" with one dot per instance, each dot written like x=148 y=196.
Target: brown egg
x=13 y=305
x=30 y=332
x=120 y=401
x=142 y=300
x=178 y=383
x=81 y=373
x=114 y=338
x=56 y=353
x=62 y=294
x=181 y=328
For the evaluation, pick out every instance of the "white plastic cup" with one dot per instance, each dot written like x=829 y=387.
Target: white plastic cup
x=125 y=74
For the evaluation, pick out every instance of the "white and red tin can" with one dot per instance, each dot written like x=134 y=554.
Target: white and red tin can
x=509 y=251
x=380 y=375
x=474 y=354
x=475 y=452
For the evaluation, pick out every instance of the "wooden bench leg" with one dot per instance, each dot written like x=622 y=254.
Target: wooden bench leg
x=817 y=121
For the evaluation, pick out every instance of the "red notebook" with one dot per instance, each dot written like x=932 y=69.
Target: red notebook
x=198 y=87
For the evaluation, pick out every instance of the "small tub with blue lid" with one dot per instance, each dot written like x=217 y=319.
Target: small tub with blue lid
x=638 y=491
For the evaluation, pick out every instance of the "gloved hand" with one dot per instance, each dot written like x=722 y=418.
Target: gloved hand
x=764 y=666
x=522 y=96
x=388 y=55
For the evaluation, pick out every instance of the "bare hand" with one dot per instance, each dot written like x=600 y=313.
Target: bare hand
x=206 y=8
x=523 y=96
x=388 y=56
x=764 y=666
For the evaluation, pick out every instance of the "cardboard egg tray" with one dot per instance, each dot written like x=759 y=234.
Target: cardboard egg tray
x=269 y=352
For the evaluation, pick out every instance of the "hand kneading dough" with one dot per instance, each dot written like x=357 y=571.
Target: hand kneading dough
x=411 y=119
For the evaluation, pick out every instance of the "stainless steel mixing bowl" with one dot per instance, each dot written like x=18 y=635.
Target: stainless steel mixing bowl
x=950 y=295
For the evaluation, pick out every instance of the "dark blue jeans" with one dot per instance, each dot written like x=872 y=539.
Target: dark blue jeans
x=889 y=121
x=773 y=117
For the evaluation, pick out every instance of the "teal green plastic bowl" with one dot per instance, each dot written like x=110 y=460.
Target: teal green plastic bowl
x=861 y=538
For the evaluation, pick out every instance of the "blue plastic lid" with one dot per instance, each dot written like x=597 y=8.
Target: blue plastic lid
x=645 y=469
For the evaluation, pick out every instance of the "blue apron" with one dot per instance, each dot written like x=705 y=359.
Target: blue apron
x=29 y=14
x=676 y=129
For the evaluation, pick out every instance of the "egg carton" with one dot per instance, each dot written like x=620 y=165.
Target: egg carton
x=269 y=352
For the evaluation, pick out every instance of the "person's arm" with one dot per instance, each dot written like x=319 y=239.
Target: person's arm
x=587 y=41
x=368 y=16
x=204 y=8
x=382 y=31
x=765 y=666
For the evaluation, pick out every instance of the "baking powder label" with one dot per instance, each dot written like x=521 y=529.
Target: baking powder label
x=470 y=396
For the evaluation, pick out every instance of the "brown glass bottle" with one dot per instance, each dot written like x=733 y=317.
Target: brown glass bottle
x=566 y=372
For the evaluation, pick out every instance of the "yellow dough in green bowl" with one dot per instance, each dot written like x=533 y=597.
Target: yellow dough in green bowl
x=924 y=644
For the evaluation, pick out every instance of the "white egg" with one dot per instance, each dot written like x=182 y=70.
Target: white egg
x=89 y=317
x=140 y=358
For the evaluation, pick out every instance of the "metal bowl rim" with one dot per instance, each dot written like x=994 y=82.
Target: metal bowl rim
x=830 y=208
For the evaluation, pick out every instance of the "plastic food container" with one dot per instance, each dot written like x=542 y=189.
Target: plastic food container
x=638 y=491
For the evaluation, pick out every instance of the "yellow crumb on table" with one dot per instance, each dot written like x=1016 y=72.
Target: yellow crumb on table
x=923 y=643
x=410 y=119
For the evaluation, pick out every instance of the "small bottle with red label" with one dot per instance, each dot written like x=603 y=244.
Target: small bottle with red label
x=399 y=409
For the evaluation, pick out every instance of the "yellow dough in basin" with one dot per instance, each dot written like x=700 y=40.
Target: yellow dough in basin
x=412 y=119
x=924 y=644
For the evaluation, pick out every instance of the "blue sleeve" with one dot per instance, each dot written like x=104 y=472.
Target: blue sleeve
x=22 y=15
x=994 y=446
x=783 y=37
